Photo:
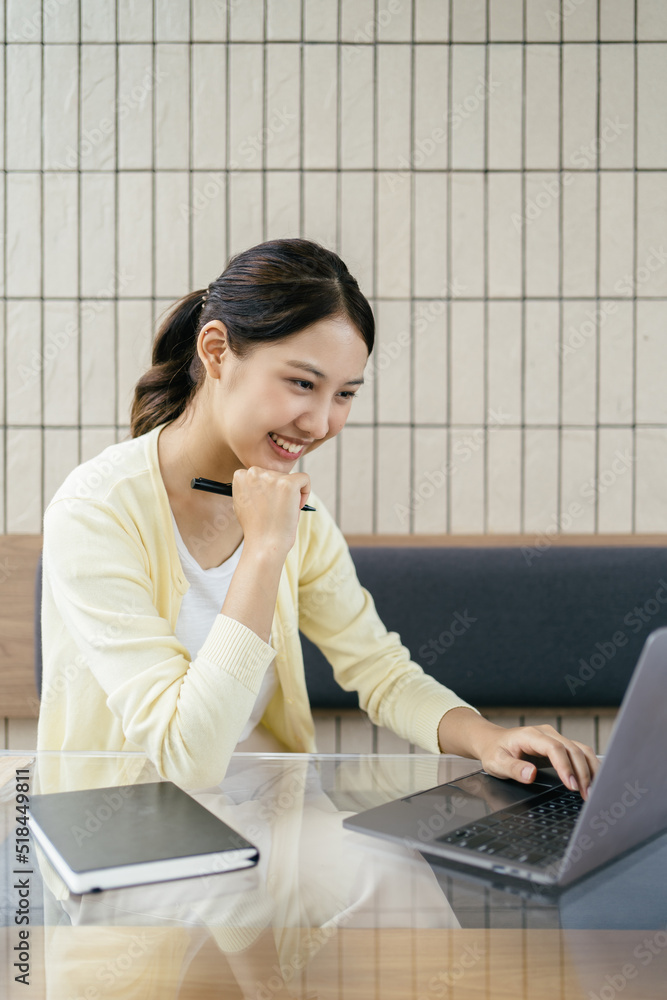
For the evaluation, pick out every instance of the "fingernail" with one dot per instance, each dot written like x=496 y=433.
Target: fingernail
x=526 y=773
x=573 y=783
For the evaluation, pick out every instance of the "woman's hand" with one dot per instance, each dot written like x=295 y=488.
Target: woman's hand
x=268 y=504
x=503 y=755
x=503 y=751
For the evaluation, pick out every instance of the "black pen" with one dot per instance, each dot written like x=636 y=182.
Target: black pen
x=211 y=486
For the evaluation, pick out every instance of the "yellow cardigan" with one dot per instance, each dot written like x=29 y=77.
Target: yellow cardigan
x=115 y=677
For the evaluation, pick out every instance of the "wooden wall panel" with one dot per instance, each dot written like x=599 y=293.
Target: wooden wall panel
x=18 y=561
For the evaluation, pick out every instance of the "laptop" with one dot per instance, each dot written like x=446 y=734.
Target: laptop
x=545 y=833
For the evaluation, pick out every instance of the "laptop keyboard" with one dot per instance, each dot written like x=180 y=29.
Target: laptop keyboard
x=535 y=833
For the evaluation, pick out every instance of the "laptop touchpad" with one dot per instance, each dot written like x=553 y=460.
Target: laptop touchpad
x=473 y=798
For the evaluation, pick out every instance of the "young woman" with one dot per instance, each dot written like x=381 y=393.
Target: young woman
x=171 y=616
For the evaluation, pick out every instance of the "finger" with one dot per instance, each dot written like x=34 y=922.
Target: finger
x=304 y=487
x=506 y=764
x=305 y=493
x=583 y=765
x=568 y=758
x=591 y=758
x=571 y=764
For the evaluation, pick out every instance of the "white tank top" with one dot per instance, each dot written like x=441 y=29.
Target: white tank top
x=199 y=608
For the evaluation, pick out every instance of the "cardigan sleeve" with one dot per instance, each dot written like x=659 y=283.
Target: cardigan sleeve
x=339 y=616
x=186 y=715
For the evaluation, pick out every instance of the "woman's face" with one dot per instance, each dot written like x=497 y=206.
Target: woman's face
x=299 y=390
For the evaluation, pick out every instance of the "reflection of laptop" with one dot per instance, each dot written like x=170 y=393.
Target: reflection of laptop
x=544 y=832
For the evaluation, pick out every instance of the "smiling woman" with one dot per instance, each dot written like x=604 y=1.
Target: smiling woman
x=182 y=608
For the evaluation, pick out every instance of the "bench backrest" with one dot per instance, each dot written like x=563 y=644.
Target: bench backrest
x=513 y=626
x=501 y=621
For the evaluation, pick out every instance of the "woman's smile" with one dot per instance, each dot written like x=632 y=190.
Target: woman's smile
x=283 y=452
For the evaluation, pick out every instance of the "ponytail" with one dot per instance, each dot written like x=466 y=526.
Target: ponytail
x=163 y=392
x=265 y=294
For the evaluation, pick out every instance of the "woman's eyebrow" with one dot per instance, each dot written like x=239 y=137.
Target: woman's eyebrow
x=309 y=368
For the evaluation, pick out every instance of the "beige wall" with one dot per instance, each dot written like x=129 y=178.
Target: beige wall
x=501 y=197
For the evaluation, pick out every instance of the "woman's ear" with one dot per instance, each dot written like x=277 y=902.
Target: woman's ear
x=213 y=347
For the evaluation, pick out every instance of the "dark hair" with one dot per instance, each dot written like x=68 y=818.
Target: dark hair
x=265 y=293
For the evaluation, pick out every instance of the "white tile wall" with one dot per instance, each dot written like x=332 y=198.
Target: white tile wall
x=61 y=228
x=430 y=219
x=617 y=97
x=466 y=479
x=542 y=107
x=393 y=483
x=504 y=362
x=393 y=402
x=97 y=229
x=504 y=481
x=504 y=234
x=577 y=476
x=617 y=349
x=541 y=477
x=485 y=168
x=136 y=86
x=614 y=481
x=429 y=486
x=617 y=20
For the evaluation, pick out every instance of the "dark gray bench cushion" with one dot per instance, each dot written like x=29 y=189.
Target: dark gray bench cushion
x=560 y=628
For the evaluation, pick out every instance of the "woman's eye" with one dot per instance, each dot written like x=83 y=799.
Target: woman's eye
x=304 y=383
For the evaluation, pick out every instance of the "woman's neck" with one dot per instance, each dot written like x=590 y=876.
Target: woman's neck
x=184 y=453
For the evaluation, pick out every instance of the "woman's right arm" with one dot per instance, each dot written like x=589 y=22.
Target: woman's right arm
x=104 y=613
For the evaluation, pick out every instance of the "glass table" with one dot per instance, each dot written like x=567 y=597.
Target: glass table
x=326 y=913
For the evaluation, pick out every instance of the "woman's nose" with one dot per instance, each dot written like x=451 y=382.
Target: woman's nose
x=314 y=422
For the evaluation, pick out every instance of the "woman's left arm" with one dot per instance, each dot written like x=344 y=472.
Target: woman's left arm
x=503 y=751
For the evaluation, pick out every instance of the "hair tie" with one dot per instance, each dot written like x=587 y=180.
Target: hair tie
x=204 y=297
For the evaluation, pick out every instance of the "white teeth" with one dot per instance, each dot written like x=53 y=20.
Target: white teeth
x=285 y=444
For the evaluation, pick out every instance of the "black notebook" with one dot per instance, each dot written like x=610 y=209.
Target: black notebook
x=104 y=838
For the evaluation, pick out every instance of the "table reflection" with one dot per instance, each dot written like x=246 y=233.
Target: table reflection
x=270 y=922
x=329 y=913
